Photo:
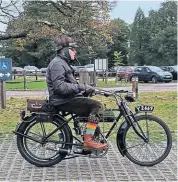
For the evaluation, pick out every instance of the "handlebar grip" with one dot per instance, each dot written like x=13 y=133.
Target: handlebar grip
x=121 y=91
x=106 y=94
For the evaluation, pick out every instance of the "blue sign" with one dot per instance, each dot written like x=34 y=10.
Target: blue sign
x=5 y=69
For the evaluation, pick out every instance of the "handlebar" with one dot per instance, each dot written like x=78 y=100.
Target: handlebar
x=109 y=93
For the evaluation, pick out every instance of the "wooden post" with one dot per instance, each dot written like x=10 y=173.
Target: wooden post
x=135 y=86
x=103 y=75
x=126 y=77
x=84 y=77
x=24 y=80
x=106 y=76
x=94 y=78
x=3 y=94
x=36 y=75
x=15 y=71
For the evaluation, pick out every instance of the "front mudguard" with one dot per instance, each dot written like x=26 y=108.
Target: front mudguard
x=120 y=138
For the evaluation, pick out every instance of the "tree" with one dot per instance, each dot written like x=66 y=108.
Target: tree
x=118 y=59
x=153 y=39
x=163 y=38
x=119 y=31
x=41 y=21
x=137 y=39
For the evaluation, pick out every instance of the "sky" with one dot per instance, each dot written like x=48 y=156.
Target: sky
x=126 y=10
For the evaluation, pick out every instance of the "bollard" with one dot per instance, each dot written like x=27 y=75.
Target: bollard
x=135 y=86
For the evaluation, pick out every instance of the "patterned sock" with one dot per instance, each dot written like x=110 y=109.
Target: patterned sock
x=91 y=128
x=92 y=123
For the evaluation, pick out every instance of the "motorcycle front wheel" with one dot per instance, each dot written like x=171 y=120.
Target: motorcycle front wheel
x=155 y=149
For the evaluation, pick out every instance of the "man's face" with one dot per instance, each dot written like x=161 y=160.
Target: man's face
x=72 y=53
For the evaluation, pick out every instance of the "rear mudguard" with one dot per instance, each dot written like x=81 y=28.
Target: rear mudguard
x=120 y=138
x=35 y=116
x=20 y=127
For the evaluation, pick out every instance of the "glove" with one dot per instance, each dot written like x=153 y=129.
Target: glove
x=86 y=89
x=89 y=90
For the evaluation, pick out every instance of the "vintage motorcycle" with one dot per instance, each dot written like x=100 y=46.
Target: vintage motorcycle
x=48 y=136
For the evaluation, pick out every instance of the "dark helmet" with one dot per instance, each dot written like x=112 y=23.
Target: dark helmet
x=64 y=41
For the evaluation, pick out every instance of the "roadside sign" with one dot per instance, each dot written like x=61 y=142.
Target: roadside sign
x=101 y=64
x=5 y=69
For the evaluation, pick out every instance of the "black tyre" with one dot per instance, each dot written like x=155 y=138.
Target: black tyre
x=131 y=79
x=145 y=81
x=154 y=79
x=118 y=78
x=158 y=146
x=47 y=154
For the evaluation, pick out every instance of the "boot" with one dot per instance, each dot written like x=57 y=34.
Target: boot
x=89 y=143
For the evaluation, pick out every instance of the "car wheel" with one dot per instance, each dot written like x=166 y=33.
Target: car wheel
x=154 y=79
x=130 y=79
x=118 y=78
x=145 y=81
x=167 y=81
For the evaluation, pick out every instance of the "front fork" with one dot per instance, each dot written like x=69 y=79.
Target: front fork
x=138 y=130
x=121 y=134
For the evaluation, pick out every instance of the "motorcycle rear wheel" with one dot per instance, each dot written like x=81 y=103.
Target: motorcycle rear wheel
x=36 y=153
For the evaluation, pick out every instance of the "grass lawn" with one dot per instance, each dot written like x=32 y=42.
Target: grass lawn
x=35 y=85
x=40 y=84
x=165 y=108
x=112 y=83
x=31 y=83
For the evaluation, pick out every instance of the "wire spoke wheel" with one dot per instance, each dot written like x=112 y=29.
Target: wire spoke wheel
x=45 y=151
x=36 y=149
x=157 y=146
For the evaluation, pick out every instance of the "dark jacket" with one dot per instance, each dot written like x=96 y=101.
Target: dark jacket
x=62 y=85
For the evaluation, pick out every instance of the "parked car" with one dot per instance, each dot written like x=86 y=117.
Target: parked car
x=172 y=69
x=125 y=72
x=77 y=69
x=43 y=70
x=17 y=70
x=31 y=69
x=112 y=71
x=152 y=73
x=90 y=68
x=116 y=67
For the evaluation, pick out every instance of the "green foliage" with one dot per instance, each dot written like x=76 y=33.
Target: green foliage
x=137 y=37
x=46 y=19
x=118 y=59
x=119 y=31
x=149 y=40
x=153 y=39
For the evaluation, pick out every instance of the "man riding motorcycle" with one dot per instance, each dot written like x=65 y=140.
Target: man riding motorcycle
x=66 y=93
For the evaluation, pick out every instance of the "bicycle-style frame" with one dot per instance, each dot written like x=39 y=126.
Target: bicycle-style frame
x=124 y=111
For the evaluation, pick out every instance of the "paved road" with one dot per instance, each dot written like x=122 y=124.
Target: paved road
x=142 y=88
x=113 y=167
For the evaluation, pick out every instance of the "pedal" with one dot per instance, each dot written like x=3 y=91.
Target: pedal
x=99 y=153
